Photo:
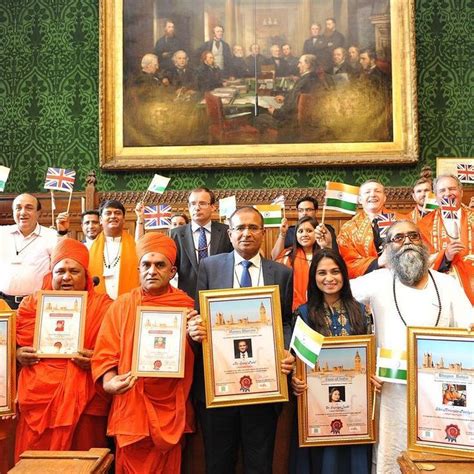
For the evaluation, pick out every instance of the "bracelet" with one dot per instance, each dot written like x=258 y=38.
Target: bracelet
x=139 y=222
x=62 y=232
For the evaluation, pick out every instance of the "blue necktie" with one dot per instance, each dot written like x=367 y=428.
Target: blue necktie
x=245 y=280
x=202 y=244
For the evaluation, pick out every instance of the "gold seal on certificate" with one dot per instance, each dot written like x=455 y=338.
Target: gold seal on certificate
x=441 y=391
x=60 y=320
x=337 y=406
x=159 y=342
x=7 y=363
x=244 y=346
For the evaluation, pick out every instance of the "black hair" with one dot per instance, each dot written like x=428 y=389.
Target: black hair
x=296 y=244
x=113 y=203
x=246 y=209
x=91 y=212
x=308 y=198
x=201 y=189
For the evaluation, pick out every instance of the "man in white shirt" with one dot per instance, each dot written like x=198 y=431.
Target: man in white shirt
x=405 y=294
x=25 y=250
x=90 y=225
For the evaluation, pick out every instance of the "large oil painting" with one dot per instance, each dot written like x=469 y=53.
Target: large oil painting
x=240 y=83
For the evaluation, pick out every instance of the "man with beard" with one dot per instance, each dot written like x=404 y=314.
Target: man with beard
x=167 y=45
x=239 y=67
x=405 y=294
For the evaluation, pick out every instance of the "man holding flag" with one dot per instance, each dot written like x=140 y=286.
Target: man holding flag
x=405 y=294
x=361 y=239
x=449 y=232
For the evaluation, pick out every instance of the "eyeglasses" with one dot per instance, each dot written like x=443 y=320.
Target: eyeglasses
x=201 y=204
x=253 y=229
x=306 y=209
x=400 y=238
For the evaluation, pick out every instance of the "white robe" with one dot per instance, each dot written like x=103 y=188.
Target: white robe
x=419 y=307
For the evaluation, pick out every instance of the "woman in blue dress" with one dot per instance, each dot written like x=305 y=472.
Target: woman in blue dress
x=332 y=311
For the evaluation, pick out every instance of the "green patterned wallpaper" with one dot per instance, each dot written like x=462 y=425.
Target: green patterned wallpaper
x=49 y=99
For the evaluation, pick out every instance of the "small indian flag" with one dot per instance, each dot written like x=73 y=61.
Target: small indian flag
x=271 y=214
x=341 y=197
x=227 y=206
x=158 y=184
x=391 y=365
x=4 y=172
x=306 y=342
x=430 y=202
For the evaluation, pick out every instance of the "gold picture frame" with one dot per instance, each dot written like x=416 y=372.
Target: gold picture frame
x=440 y=371
x=393 y=27
x=237 y=375
x=163 y=334
x=336 y=409
x=7 y=362
x=60 y=322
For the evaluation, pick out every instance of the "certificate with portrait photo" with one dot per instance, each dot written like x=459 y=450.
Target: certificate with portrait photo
x=59 y=326
x=7 y=363
x=336 y=408
x=441 y=391
x=159 y=342
x=244 y=346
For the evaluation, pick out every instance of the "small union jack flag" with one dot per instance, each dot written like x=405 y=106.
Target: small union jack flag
x=59 y=179
x=157 y=217
x=384 y=221
x=448 y=208
x=465 y=172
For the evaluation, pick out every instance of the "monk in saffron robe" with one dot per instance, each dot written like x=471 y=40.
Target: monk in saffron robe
x=149 y=416
x=112 y=256
x=357 y=241
x=451 y=240
x=59 y=405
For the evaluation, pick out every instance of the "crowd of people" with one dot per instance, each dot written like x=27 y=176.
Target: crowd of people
x=420 y=272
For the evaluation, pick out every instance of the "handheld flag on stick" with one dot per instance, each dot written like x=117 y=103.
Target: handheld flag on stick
x=227 y=206
x=465 y=172
x=430 y=203
x=158 y=185
x=280 y=201
x=59 y=179
x=341 y=197
x=157 y=217
x=448 y=208
x=4 y=172
x=391 y=365
x=384 y=221
x=306 y=343
x=271 y=214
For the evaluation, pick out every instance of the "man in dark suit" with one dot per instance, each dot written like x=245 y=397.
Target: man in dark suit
x=198 y=239
x=315 y=43
x=281 y=66
x=223 y=428
x=340 y=73
x=255 y=60
x=240 y=67
x=220 y=49
x=290 y=60
x=167 y=45
x=181 y=75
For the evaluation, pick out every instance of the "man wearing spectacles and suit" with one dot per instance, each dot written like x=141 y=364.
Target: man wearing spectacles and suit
x=198 y=239
x=223 y=428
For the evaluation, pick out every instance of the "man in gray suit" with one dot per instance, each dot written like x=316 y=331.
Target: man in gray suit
x=198 y=239
x=223 y=428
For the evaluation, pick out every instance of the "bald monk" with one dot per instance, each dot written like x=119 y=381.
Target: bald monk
x=149 y=416
x=59 y=406
x=359 y=240
x=112 y=256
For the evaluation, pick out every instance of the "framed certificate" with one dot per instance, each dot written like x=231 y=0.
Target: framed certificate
x=441 y=391
x=337 y=406
x=60 y=320
x=244 y=346
x=7 y=363
x=159 y=342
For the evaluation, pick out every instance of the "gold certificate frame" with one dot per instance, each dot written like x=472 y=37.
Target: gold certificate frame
x=336 y=409
x=159 y=342
x=440 y=387
x=7 y=362
x=332 y=129
x=244 y=346
x=60 y=322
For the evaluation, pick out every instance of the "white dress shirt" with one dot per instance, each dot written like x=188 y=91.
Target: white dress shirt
x=255 y=270
x=112 y=248
x=24 y=260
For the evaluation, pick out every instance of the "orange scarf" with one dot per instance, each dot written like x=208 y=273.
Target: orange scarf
x=128 y=278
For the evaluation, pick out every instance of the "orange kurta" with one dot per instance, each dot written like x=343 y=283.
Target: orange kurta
x=128 y=278
x=54 y=394
x=149 y=420
x=435 y=235
x=356 y=243
x=300 y=275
